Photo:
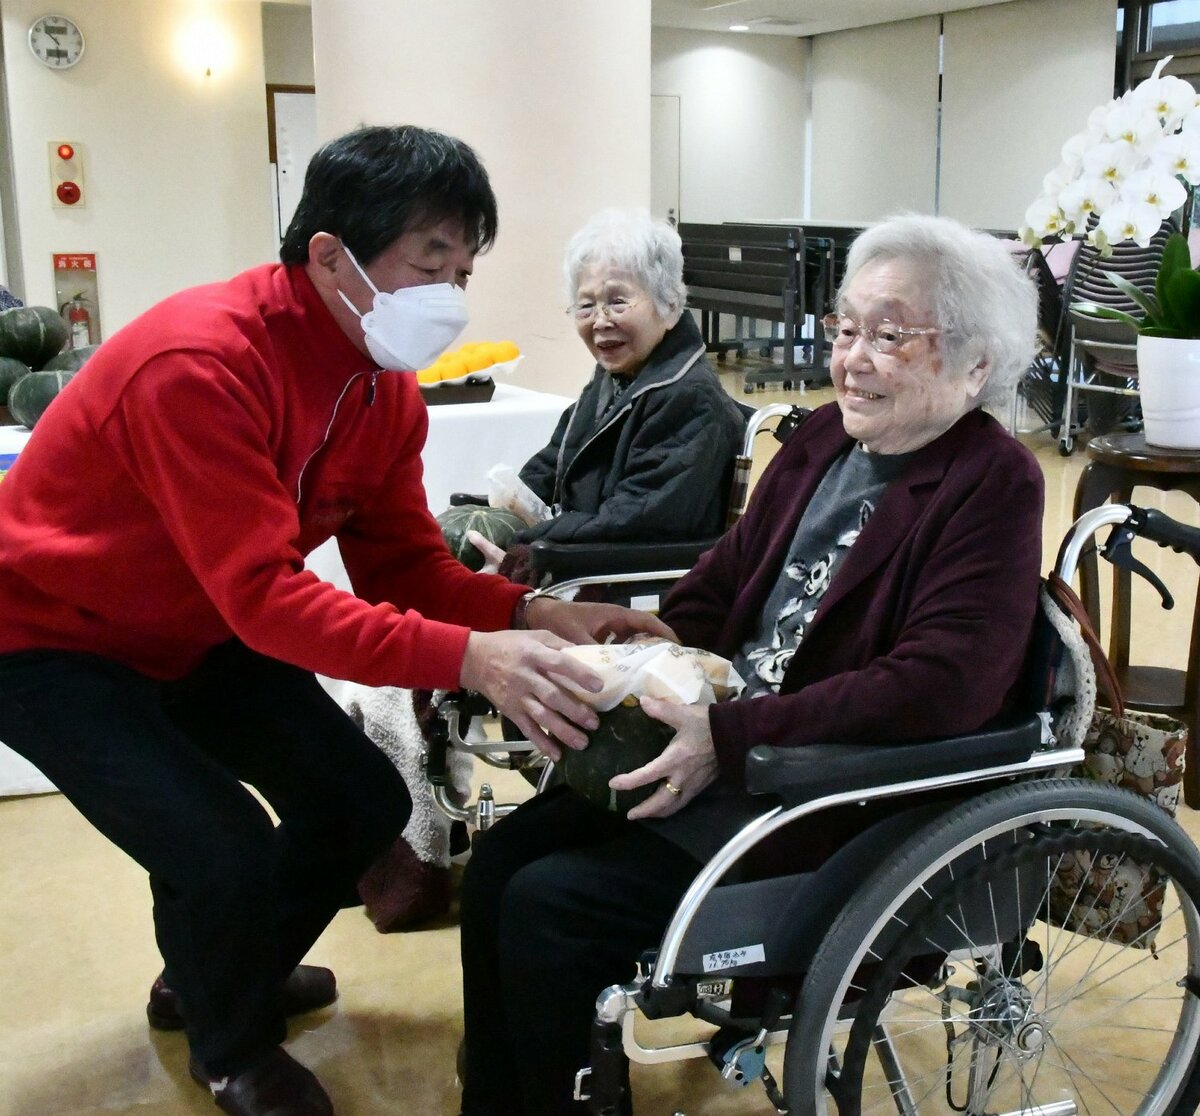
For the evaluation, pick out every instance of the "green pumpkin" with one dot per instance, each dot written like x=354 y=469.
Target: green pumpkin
x=495 y=525
x=70 y=360
x=627 y=738
x=11 y=370
x=31 y=395
x=32 y=334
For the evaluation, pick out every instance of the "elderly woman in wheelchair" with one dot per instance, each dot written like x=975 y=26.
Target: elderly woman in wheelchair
x=881 y=587
x=813 y=866
x=646 y=451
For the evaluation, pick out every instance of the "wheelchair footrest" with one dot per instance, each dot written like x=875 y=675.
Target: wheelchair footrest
x=605 y=1084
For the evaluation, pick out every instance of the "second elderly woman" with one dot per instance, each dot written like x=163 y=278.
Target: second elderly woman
x=881 y=586
x=646 y=451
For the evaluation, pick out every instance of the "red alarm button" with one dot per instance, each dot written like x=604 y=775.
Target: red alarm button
x=68 y=193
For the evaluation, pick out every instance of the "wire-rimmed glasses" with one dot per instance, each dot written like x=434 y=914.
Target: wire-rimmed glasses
x=612 y=308
x=841 y=331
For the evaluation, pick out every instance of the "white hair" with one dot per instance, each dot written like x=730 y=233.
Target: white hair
x=981 y=296
x=633 y=242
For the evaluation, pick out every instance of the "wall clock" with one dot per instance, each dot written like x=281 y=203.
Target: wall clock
x=55 y=41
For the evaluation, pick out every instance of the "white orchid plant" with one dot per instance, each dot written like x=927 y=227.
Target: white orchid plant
x=1135 y=165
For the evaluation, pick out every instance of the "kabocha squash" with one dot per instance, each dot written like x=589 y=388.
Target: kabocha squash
x=11 y=370
x=31 y=395
x=627 y=738
x=32 y=334
x=70 y=360
x=493 y=524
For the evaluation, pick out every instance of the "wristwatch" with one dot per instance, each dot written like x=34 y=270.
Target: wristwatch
x=519 y=610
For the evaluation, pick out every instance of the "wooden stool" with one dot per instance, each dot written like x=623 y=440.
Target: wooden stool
x=1119 y=463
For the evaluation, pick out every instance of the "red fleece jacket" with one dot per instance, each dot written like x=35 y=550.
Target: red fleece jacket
x=168 y=497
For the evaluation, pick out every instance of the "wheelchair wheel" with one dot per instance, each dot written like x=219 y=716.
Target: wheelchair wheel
x=1036 y=950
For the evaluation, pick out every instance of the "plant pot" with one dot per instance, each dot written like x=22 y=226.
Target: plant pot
x=1169 y=382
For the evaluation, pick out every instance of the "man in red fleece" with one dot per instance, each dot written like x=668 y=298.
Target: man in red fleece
x=159 y=634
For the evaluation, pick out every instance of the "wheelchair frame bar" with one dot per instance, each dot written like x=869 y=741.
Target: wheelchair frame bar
x=559 y=589
x=1081 y=533
x=777 y=817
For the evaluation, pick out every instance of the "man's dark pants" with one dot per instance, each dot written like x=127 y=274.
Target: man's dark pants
x=158 y=767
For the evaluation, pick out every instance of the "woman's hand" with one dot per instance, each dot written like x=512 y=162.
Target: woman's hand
x=593 y=623
x=521 y=673
x=492 y=554
x=688 y=763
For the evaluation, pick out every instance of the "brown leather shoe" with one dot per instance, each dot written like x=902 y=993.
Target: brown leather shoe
x=276 y=1085
x=309 y=987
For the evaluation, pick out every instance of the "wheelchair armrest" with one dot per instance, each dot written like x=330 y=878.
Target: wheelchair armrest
x=801 y=774
x=460 y=499
x=569 y=560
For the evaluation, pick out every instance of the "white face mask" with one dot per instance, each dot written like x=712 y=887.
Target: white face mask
x=410 y=328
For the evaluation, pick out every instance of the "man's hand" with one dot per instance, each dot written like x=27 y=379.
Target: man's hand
x=688 y=763
x=521 y=673
x=492 y=554
x=593 y=623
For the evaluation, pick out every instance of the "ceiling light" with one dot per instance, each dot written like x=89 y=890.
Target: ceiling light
x=739 y=27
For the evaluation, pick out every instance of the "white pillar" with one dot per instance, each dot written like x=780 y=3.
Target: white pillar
x=555 y=98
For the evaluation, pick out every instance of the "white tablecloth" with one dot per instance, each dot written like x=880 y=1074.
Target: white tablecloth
x=465 y=440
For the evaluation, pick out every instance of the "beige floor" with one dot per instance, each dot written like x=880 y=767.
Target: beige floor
x=77 y=954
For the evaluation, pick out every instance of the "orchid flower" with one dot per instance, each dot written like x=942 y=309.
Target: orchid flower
x=1085 y=196
x=1154 y=188
x=1111 y=161
x=1135 y=125
x=1180 y=155
x=1168 y=99
x=1046 y=218
x=1137 y=221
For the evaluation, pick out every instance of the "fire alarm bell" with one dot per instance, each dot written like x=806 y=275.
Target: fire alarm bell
x=66 y=174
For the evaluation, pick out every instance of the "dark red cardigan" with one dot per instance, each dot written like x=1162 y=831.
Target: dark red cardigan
x=924 y=629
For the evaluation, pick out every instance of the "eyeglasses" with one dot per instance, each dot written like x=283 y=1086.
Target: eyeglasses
x=841 y=332
x=613 y=308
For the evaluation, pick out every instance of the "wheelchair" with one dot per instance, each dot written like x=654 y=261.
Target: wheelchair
x=633 y=574
x=1019 y=941
x=1010 y=939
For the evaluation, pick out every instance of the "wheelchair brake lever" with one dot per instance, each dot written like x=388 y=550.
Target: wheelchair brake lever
x=1119 y=551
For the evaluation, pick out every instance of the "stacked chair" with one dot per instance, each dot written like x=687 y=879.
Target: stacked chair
x=1099 y=355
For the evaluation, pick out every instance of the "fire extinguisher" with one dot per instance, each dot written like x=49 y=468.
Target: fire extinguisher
x=80 y=322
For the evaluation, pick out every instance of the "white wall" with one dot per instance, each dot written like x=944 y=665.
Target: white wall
x=742 y=112
x=1020 y=78
x=175 y=164
x=874 y=121
x=287 y=44
x=554 y=96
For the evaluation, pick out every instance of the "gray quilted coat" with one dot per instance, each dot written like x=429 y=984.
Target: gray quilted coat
x=655 y=465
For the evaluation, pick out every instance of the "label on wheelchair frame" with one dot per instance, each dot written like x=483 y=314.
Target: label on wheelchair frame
x=733 y=958
x=714 y=989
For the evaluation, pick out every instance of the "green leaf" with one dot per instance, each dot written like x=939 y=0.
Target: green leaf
x=1095 y=311
x=1146 y=301
x=1176 y=258
x=1163 y=331
x=1181 y=302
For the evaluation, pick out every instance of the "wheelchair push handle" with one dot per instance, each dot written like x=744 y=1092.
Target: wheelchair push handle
x=1128 y=523
x=1160 y=528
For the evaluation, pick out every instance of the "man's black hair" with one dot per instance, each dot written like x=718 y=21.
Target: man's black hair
x=372 y=185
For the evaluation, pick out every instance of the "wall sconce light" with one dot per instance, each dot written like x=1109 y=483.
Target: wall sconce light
x=204 y=46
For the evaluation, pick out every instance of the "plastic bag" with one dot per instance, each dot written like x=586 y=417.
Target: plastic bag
x=658 y=669
x=506 y=490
